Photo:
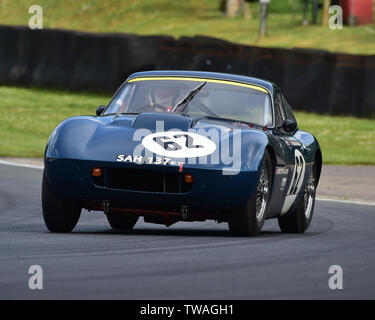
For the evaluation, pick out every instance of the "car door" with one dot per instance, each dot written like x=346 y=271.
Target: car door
x=292 y=152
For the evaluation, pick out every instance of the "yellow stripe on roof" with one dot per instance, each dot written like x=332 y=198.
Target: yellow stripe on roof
x=201 y=79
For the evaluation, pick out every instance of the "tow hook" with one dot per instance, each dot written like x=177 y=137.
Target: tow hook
x=184 y=212
x=106 y=206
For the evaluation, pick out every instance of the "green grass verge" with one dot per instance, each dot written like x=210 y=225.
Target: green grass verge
x=29 y=115
x=190 y=18
x=343 y=140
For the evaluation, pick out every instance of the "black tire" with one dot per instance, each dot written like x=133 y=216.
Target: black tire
x=298 y=219
x=248 y=221
x=60 y=214
x=121 y=222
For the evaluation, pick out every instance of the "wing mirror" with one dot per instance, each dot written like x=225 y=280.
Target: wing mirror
x=100 y=110
x=289 y=125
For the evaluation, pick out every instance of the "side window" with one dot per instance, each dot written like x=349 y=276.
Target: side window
x=288 y=109
x=279 y=110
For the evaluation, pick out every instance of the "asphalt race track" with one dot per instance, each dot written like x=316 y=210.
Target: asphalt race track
x=185 y=261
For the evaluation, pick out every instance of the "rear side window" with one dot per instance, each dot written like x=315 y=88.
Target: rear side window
x=288 y=109
x=279 y=110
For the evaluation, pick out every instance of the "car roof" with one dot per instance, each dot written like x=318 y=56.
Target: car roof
x=209 y=75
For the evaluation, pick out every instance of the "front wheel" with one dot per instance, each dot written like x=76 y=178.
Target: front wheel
x=298 y=219
x=60 y=214
x=249 y=220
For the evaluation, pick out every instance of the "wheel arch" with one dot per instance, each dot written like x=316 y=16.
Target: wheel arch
x=318 y=162
x=273 y=158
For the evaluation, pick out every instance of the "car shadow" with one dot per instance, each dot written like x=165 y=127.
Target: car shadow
x=177 y=232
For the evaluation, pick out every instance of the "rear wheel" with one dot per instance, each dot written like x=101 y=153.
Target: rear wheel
x=121 y=222
x=298 y=219
x=249 y=219
x=60 y=214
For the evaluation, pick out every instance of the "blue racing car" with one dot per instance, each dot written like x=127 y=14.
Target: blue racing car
x=184 y=146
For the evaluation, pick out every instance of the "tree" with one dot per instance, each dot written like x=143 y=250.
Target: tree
x=231 y=8
x=326 y=5
x=315 y=5
x=246 y=9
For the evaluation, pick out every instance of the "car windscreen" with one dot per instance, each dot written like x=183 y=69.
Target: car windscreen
x=215 y=98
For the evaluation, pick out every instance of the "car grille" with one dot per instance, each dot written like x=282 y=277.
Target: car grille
x=142 y=180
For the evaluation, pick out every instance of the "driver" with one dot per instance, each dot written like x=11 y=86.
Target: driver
x=162 y=98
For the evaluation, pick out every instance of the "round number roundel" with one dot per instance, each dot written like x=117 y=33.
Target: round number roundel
x=178 y=144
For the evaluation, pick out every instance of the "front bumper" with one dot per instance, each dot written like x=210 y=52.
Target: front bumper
x=210 y=191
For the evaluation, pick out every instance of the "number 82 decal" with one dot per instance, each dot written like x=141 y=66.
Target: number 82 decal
x=178 y=144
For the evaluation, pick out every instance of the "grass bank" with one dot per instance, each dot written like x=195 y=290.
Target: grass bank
x=190 y=18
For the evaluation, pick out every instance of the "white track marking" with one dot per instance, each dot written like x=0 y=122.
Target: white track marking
x=23 y=165
x=348 y=201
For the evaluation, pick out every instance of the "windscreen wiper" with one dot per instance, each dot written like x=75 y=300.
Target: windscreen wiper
x=188 y=97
